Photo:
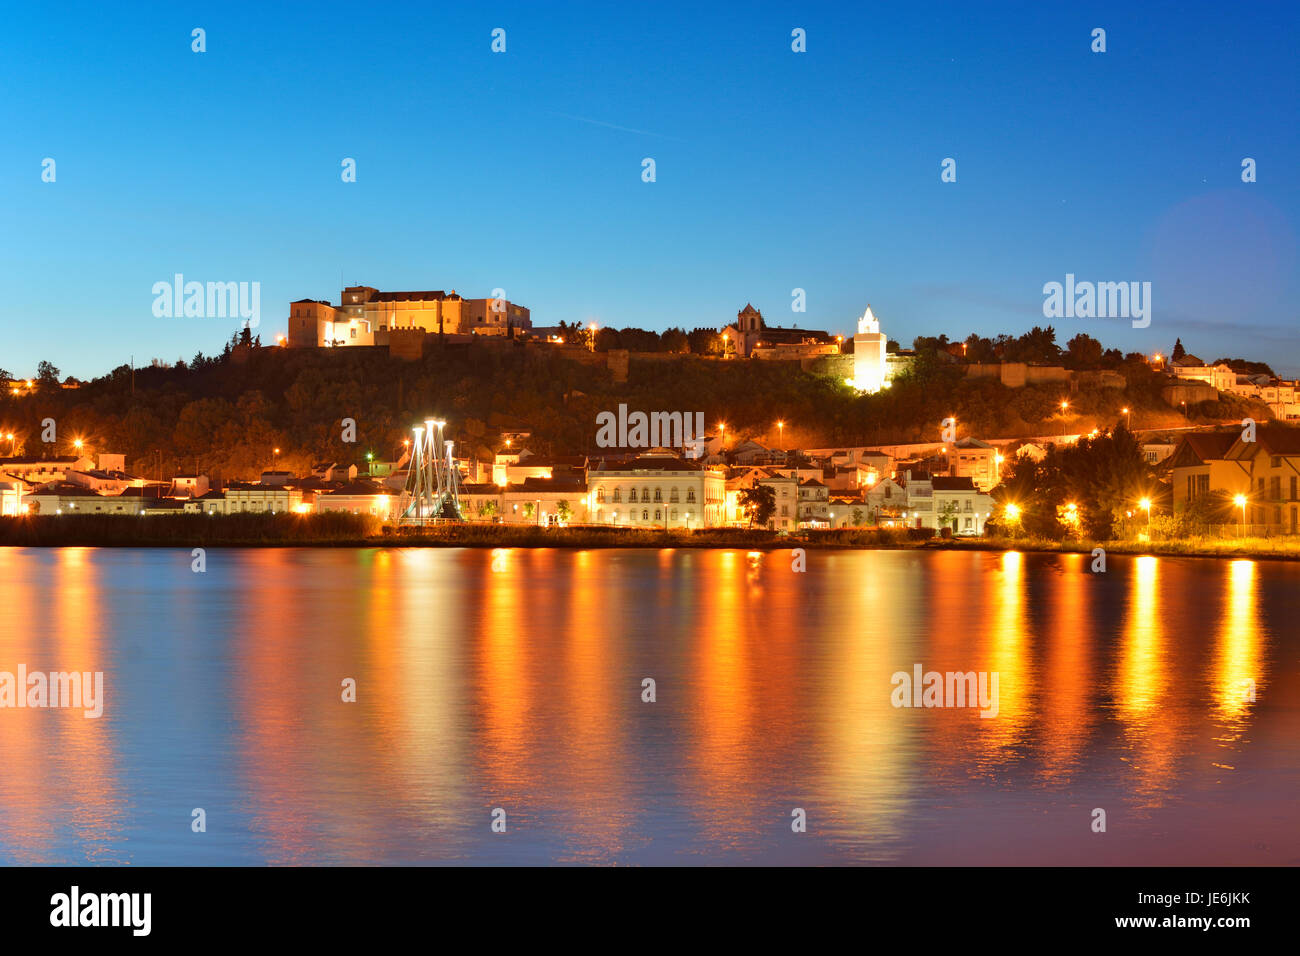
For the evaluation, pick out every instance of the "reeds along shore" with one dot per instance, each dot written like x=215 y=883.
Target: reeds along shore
x=345 y=530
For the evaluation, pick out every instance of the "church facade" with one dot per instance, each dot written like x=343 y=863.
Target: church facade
x=750 y=337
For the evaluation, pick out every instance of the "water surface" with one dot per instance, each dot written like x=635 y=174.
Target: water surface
x=513 y=680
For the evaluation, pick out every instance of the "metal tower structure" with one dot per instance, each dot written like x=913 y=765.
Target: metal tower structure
x=432 y=490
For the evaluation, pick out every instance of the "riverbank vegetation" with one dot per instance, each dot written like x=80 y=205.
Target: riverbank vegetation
x=344 y=530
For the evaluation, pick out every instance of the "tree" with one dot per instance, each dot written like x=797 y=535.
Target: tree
x=674 y=340
x=1038 y=345
x=47 y=376
x=704 y=341
x=1083 y=352
x=760 y=503
x=1179 y=351
x=563 y=510
x=948 y=514
x=1105 y=476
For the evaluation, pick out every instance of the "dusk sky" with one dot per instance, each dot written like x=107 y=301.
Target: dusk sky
x=775 y=170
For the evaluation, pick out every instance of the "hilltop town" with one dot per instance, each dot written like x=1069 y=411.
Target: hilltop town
x=793 y=429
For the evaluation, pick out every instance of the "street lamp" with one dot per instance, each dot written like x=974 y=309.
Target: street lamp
x=780 y=431
x=1128 y=418
x=1240 y=502
x=1145 y=505
x=1064 y=406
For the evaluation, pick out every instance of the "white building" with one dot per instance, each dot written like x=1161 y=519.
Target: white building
x=814 y=504
x=948 y=502
x=657 y=490
x=1218 y=376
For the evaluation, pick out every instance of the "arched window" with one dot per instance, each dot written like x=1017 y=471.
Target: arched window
x=658 y=516
x=672 y=495
x=600 y=496
x=618 y=495
x=645 y=515
x=645 y=494
x=659 y=495
x=690 y=495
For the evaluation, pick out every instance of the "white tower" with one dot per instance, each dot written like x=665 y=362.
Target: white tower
x=868 y=355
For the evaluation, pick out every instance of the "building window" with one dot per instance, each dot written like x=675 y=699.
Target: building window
x=672 y=495
x=645 y=515
x=618 y=496
x=659 y=495
x=690 y=496
x=657 y=515
x=645 y=494
x=600 y=496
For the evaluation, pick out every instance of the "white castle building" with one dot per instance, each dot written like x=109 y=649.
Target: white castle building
x=870 y=371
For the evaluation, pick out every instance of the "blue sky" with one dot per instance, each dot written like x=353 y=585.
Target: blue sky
x=775 y=170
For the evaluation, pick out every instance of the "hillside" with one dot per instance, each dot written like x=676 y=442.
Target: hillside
x=225 y=415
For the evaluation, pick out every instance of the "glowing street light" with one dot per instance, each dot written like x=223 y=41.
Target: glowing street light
x=1240 y=502
x=1128 y=418
x=1012 y=513
x=780 y=431
x=1145 y=505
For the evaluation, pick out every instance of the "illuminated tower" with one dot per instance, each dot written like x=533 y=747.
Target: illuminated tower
x=868 y=355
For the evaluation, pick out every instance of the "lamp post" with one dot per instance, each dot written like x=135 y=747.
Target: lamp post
x=1145 y=505
x=1064 y=406
x=11 y=438
x=1240 y=502
x=1128 y=418
x=780 y=432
